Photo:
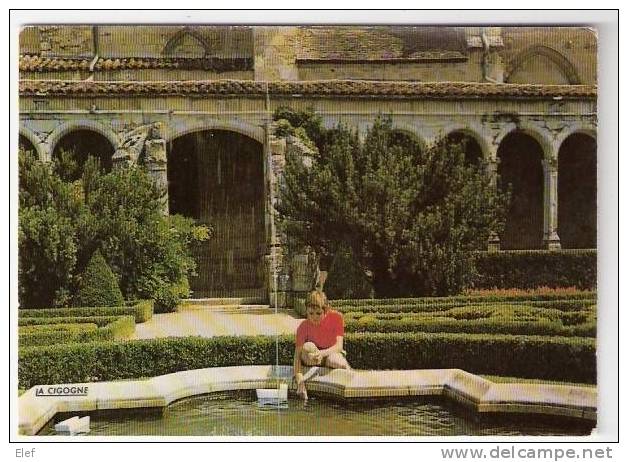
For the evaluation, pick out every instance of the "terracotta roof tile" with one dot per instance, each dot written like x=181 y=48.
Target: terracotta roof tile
x=36 y=63
x=332 y=88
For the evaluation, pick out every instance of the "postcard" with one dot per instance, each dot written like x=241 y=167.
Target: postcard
x=308 y=230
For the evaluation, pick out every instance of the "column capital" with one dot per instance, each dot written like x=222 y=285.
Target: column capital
x=550 y=165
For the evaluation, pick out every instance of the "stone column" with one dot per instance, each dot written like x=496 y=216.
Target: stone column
x=156 y=162
x=493 y=244
x=275 y=262
x=551 y=241
x=45 y=152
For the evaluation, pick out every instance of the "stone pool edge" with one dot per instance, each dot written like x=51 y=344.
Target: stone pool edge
x=474 y=392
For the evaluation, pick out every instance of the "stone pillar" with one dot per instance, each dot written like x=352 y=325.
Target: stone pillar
x=493 y=244
x=156 y=162
x=276 y=264
x=45 y=152
x=551 y=241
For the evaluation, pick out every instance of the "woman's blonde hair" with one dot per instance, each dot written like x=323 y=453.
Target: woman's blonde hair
x=317 y=298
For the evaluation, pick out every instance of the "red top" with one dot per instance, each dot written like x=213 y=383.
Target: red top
x=324 y=335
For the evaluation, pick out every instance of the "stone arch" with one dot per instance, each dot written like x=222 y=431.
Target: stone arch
x=412 y=132
x=180 y=36
x=577 y=191
x=520 y=168
x=216 y=176
x=75 y=125
x=83 y=142
x=33 y=139
x=576 y=128
x=177 y=130
x=558 y=59
x=534 y=132
x=481 y=142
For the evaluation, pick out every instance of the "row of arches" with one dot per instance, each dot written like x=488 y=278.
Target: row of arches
x=520 y=159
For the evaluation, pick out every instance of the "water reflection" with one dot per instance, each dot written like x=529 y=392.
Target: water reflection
x=237 y=414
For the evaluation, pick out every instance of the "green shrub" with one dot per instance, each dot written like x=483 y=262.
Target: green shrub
x=64 y=219
x=100 y=321
x=47 y=244
x=557 y=358
x=508 y=312
x=142 y=311
x=346 y=279
x=98 y=286
x=168 y=296
x=69 y=327
x=475 y=326
x=121 y=327
x=411 y=215
x=582 y=302
x=529 y=269
x=582 y=295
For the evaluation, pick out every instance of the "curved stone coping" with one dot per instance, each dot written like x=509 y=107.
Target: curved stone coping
x=477 y=393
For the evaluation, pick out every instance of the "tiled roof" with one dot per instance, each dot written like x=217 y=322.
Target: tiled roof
x=330 y=88
x=381 y=44
x=36 y=63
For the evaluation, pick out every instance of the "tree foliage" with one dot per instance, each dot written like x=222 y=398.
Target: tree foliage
x=63 y=223
x=409 y=215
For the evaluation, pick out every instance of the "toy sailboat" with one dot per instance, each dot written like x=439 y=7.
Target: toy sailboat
x=273 y=397
x=73 y=426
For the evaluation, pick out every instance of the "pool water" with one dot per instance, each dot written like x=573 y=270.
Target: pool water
x=238 y=414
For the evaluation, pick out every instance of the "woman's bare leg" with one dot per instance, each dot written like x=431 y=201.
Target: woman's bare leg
x=337 y=361
x=311 y=355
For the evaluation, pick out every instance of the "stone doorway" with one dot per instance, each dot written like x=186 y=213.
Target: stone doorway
x=217 y=178
x=521 y=170
x=577 y=192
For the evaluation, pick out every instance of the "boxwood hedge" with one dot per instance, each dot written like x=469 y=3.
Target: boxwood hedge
x=36 y=335
x=474 y=326
x=100 y=321
x=535 y=268
x=463 y=299
x=427 y=307
x=557 y=358
x=142 y=311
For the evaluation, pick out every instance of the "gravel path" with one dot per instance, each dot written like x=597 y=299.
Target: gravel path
x=211 y=323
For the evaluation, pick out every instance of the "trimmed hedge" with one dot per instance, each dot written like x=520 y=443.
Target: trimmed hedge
x=559 y=358
x=568 y=318
x=463 y=299
x=100 y=321
x=84 y=326
x=535 y=268
x=475 y=326
x=142 y=311
x=121 y=327
x=432 y=307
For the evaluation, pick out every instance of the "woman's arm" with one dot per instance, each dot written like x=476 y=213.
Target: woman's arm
x=298 y=374
x=297 y=361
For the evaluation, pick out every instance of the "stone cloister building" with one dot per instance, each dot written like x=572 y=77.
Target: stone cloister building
x=194 y=104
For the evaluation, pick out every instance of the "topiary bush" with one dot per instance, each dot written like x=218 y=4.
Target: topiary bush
x=98 y=286
x=505 y=355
